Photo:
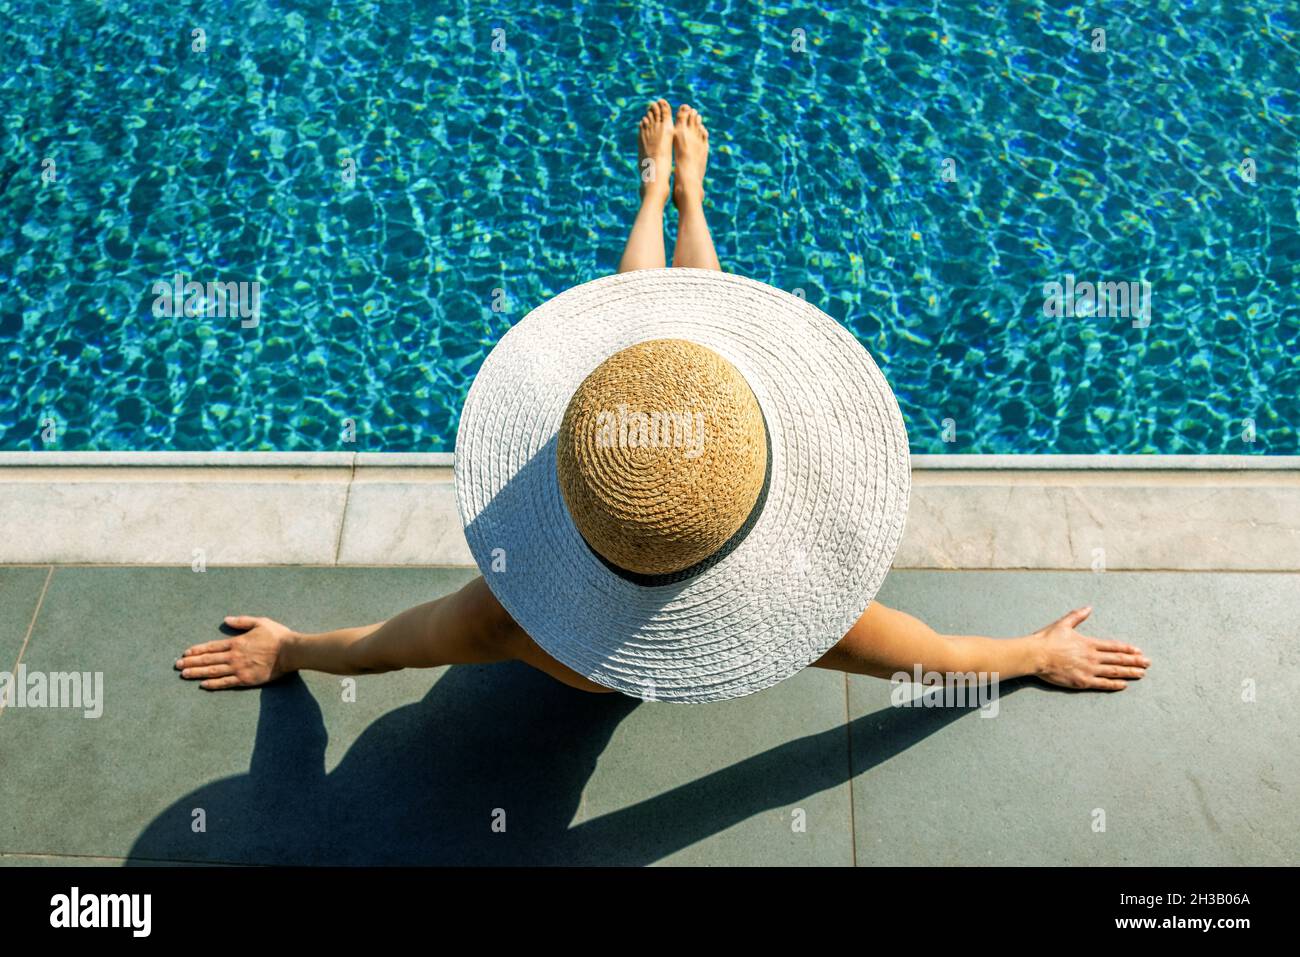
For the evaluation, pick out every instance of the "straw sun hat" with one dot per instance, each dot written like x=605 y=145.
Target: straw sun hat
x=683 y=484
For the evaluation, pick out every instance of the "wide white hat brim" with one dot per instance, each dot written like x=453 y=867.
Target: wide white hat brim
x=805 y=572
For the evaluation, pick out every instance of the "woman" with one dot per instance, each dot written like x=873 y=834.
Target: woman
x=472 y=626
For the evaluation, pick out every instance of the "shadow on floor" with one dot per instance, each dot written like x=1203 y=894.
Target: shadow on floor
x=419 y=786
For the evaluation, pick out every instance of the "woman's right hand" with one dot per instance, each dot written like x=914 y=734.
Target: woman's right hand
x=1072 y=660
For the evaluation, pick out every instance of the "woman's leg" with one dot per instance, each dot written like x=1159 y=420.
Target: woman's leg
x=645 y=244
x=885 y=642
x=466 y=627
x=691 y=153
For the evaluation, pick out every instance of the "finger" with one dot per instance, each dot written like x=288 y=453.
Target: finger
x=195 y=661
x=208 y=671
x=216 y=684
x=208 y=648
x=1115 y=658
x=1077 y=617
x=1119 y=671
x=1107 y=684
x=1103 y=645
x=243 y=621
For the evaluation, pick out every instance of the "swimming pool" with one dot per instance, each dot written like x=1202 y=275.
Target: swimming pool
x=387 y=173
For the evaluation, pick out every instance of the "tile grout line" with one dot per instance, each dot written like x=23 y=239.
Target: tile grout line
x=31 y=626
x=848 y=732
x=343 y=519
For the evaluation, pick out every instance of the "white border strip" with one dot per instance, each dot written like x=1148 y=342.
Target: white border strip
x=342 y=508
x=1141 y=463
x=446 y=459
x=225 y=459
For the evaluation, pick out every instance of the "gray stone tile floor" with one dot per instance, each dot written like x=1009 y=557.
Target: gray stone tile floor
x=820 y=770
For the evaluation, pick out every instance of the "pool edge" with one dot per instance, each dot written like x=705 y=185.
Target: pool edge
x=1169 y=513
x=446 y=459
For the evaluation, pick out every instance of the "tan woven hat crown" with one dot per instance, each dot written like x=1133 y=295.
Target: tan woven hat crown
x=661 y=456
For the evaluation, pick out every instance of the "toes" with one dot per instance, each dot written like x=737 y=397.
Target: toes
x=663 y=110
x=689 y=117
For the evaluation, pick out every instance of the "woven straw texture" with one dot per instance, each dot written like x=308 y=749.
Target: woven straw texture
x=661 y=455
x=808 y=568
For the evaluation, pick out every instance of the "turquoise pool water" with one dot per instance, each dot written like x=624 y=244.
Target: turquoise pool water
x=380 y=170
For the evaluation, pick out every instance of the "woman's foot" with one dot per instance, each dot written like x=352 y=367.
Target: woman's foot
x=242 y=661
x=1072 y=660
x=691 y=156
x=655 y=151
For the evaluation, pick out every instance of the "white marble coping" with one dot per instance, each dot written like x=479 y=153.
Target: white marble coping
x=446 y=460
x=1102 y=462
x=344 y=508
x=224 y=459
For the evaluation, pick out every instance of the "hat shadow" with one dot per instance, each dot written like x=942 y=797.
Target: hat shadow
x=425 y=783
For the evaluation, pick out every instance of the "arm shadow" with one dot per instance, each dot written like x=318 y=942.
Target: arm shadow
x=488 y=768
